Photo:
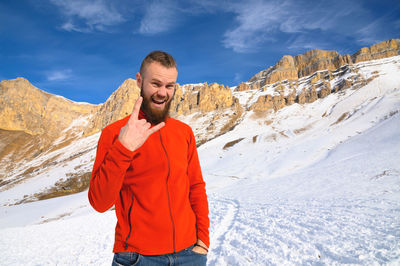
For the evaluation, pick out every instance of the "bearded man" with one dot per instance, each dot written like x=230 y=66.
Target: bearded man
x=148 y=167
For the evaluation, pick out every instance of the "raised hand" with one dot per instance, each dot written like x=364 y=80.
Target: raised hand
x=136 y=131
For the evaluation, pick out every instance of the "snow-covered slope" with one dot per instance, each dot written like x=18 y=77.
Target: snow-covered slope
x=309 y=184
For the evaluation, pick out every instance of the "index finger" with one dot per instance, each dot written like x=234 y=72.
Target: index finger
x=136 y=108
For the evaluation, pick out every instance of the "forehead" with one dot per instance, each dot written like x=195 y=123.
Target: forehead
x=159 y=72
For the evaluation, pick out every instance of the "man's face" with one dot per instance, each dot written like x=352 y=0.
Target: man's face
x=157 y=85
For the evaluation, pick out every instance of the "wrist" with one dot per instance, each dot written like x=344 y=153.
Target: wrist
x=202 y=247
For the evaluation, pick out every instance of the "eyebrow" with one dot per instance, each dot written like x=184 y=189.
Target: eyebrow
x=157 y=80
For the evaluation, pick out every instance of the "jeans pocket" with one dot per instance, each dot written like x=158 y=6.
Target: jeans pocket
x=196 y=253
x=126 y=259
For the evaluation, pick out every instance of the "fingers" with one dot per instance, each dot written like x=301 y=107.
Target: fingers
x=143 y=125
x=199 y=250
x=136 y=108
x=147 y=125
x=156 y=127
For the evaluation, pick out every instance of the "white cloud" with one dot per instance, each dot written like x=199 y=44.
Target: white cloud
x=159 y=16
x=317 y=15
x=164 y=15
x=256 y=21
x=365 y=35
x=59 y=75
x=198 y=7
x=88 y=15
x=238 y=78
x=261 y=21
x=70 y=26
x=378 y=30
x=306 y=43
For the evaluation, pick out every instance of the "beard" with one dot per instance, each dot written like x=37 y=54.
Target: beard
x=154 y=116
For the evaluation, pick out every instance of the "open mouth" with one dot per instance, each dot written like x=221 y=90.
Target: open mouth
x=159 y=101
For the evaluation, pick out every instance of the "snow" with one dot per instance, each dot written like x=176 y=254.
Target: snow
x=306 y=185
x=80 y=240
x=68 y=100
x=84 y=151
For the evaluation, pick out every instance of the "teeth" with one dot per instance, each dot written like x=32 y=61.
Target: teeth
x=158 y=102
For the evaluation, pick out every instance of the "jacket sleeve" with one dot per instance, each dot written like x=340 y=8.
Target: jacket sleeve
x=109 y=169
x=198 y=196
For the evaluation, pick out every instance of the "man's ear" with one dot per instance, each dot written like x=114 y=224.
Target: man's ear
x=139 y=79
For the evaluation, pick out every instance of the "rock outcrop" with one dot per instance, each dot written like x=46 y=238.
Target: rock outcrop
x=268 y=101
x=321 y=67
x=23 y=107
x=245 y=86
x=117 y=106
x=377 y=51
x=204 y=98
x=316 y=60
x=294 y=68
x=214 y=101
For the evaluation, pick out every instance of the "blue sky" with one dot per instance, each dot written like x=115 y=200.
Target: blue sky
x=84 y=49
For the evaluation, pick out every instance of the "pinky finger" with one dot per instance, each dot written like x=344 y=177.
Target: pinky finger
x=156 y=128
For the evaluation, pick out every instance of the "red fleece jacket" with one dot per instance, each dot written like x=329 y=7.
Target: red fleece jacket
x=158 y=190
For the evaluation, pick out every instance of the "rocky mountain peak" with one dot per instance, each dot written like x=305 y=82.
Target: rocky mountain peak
x=377 y=51
x=23 y=107
x=117 y=106
x=294 y=68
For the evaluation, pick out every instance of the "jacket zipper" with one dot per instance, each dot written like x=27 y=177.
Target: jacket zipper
x=130 y=225
x=169 y=201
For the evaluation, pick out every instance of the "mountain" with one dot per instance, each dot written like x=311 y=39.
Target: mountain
x=301 y=164
x=37 y=129
x=294 y=68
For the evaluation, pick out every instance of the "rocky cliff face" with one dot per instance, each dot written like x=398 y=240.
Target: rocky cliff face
x=213 y=106
x=286 y=81
x=33 y=122
x=201 y=97
x=294 y=68
x=377 y=51
x=117 y=106
x=24 y=107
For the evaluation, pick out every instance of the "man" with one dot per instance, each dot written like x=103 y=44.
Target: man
x=147 y=166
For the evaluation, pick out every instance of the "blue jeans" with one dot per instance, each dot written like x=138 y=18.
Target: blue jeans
x=185 y=257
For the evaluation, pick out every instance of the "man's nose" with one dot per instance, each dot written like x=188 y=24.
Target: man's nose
x=162 y=91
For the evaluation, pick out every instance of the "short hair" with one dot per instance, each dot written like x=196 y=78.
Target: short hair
x=161 y=57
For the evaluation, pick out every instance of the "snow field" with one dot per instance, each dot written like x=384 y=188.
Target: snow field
x=306 y=188
x=85 y=240
x=308 y=232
